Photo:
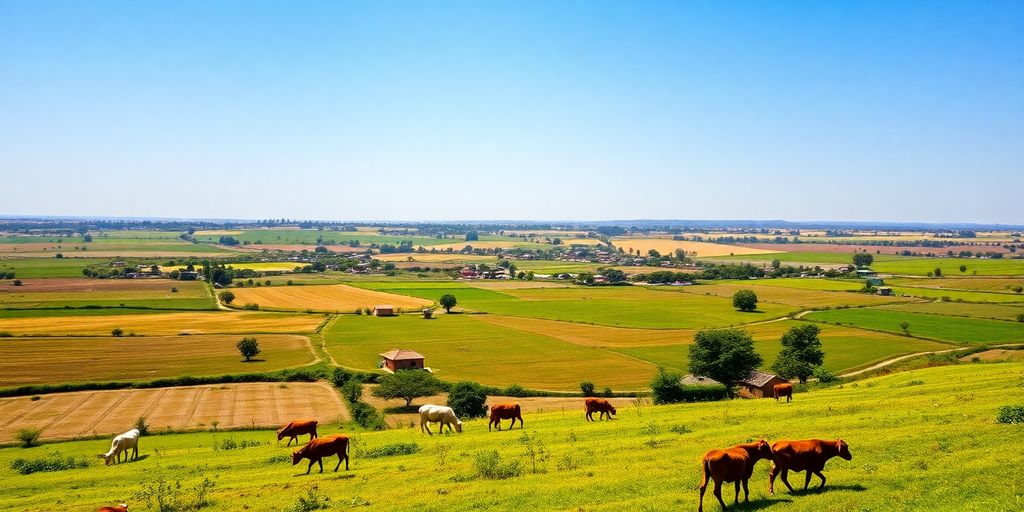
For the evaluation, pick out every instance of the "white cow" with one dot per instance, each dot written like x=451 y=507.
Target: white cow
x=121 y=444
x=438 y=414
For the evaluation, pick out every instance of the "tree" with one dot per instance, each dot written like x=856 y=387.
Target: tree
x=117 y=332
x=472 y=236
x=938 y=272
x=87 y=238
x=408 y=385
x=906 y=328
x=863 y=259
x=468 y=399
x=667 y=387
x=249 y=348
x=801 y=353
x=963 y=268
x=448 y=301
x=587 y=388
x=227 y=297
x=725 y=355
x=776 y=263
x=744 y=300
x=352 y=390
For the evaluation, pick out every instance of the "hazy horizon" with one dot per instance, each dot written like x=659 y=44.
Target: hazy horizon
x=804 y=111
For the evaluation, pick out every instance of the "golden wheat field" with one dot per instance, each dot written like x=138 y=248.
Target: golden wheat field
x=335 y=297
x=52 y=360
x=212 y=322
x=89 y=413
x=668 y=246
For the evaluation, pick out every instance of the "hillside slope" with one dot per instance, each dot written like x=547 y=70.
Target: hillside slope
x=923 y=440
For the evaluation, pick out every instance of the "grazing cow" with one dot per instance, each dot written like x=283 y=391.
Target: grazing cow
x=808 y=455
x=316 y=449
x=438 y=414
x=505 y=412
x=783 y=390
x=297 y=428
x=599 y=405
x=121 y=444
x=120 y=508
x=735 y=464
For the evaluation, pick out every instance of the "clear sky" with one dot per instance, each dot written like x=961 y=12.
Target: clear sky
x=799 y=110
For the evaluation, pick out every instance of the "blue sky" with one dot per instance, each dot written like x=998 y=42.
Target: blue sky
x=800 y=110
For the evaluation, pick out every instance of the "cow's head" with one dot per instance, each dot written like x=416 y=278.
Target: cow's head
x=280 y=433
x=458 y=426
x=297 y=455
x=764 y=450
x=612 y=407
x=843 y=449
x=106 y=458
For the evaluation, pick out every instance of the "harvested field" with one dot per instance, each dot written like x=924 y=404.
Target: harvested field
x=61 y=360
x=89 y=413
x=872 y=249
x=396 y=417
x=299 y=247
x=71 y=285
x=489 y=244
x=668 y=246
x=335 y=297
x=213 y=322
x=443 y=257
x=151 y=293
x=996 y=355
x=516 y=285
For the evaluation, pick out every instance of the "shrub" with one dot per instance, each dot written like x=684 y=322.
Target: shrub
x=587 y=388
x=174 y=289
x=352 y=390
x=607 y=392
x=312 y=500
x=117 y=331
x=825 y=377
x=227 y=297
x=468 y=399
x=1011 y=414
x=390 y=450
x=52 y=462
x=1020 y=318
x=166 y=496
x=366 y=416
x=515 y=390
x=489 y=465
x=6 y=334
x=142 y=426
x=252 y=306
x=28 y=436
x=231 y=444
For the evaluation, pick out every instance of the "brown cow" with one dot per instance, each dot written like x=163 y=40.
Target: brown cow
x=808 y=455
x=120 y=508
x=317 y=449
x=297 y=428
x=783 y=390
x=505 y=412
x=735 y=464
x=599 y=405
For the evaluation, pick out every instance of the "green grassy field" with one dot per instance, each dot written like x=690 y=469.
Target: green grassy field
x=966 y=296
x=979 y=284
x=993 y=311
x=310 y=236
x=613 y=306
x=923 y=440
x=946 y=328
x=25 y=268
x=950 y=266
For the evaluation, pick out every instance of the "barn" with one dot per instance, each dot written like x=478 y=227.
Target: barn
x=401 y=359
x=759 y=385
x=383 y=310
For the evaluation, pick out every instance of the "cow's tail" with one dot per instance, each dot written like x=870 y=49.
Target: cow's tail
x=705 y=473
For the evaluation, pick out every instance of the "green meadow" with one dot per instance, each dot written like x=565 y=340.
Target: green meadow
x=30 y=268
x=921 y=440
x=925 y=325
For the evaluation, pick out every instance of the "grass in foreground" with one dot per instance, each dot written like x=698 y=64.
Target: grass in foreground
x=923 y=440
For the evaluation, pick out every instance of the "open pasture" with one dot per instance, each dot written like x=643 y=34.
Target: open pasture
x=60 y=360
x=27 y=268
x=669 y=246
x=247 y=405
x=975 y=284
x=992 y=311
x=793 y=297
x=156 y=324
x=833 y=285
x=951 y=266
x=439 y=257
x=465 y=347
x=335 y=297
x=310 y=237
x=937 y=327
x=961 y=295
x=923 y=440
x=108 y=293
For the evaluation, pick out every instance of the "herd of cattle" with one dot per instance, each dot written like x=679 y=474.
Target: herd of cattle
x=735 y=464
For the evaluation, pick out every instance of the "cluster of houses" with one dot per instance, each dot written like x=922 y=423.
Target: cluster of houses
x=492 y=273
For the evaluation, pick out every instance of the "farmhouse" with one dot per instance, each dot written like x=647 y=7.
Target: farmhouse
x=759 y=385
x=383 y=310
x=400 y=359
x=885 y=290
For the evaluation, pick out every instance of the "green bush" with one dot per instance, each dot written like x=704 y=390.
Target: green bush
x=231 y=444
x=28 y=436
x=52 y=462
x=587 y=388
x=515 y=390
x=666 y=388
x=1011 y=414
x=824 y=376
x=313 y=500
x=6 y=334
x=390 y=450
x=468 y=400
x=489 y=465
x=352 y=390
x=252 y=306
x=366 y=416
